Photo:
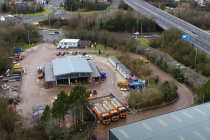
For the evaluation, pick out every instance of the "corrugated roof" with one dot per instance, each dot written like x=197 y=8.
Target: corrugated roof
x=94 y=69
x=70 y=40
x=124 y=68
x=188 y=124
x=49 y=76
x=115 y=59
x=70 y=65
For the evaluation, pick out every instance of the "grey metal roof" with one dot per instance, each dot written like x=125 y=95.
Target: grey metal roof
x=48 y=71
x=124 y=68
x=70 y=65
x=187 y=124
x=115 y=59
x=94 y=69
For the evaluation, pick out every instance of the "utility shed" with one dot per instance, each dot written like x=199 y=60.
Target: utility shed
x=124 y=71
x=49 y=78
x=71 y=68
x=96 y=76
x=187 y=124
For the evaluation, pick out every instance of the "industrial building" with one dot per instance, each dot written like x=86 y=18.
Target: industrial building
x=69 y=43
x=120 y=67
x=187 y=124
x=67 y=71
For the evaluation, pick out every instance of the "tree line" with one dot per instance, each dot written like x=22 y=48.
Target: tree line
x=20 y=9
x=69 y=108
x=184 y=52
x=85 y=6
x=14 y=36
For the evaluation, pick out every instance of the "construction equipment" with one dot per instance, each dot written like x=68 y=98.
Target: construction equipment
x=119 y=107
x=17 y=67
x=122 y=84
x=102 y=115
x=111 y=111
x=146 y=62
x=40 y=72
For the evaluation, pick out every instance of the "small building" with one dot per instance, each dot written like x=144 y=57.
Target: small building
x=96 y=76
x=187 y=124
x=124 y=71
x=69 y=43
x=120 y=67
x=49 y=78
x=71 y=70
x=85 y=43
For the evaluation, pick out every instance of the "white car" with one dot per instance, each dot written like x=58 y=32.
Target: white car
x=136 y=33
x=70 y=53
x=52 y=33
x=62 y=47
x=91 y=58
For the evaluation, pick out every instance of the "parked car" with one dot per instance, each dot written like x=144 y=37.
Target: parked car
x=70 y=53
x=84 y=53
x=193 y=32
x=94 y=91
x=136 y=33
x=74 y=53
x=63 y=53
x=87 y=57
x=52 y=33
x=91 y=57
x=58 y=53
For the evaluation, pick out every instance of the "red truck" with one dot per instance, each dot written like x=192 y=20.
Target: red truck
x=18 y=57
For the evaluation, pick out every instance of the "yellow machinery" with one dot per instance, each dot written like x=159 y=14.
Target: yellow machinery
x=102 y=115
x=119 y=107
x=122 y=84
x=111 y=111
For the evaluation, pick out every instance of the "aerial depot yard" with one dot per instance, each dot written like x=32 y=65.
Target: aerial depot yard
x=35 y=94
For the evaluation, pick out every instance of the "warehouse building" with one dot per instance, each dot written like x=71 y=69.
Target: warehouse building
x=67 y=71
x=187 y=124
x=96 y=76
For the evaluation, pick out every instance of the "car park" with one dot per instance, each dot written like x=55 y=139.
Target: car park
x=58 y=53
x=63 y=53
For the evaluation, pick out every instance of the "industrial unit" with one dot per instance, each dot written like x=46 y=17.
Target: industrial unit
x=69 y=43
x=67 y=71
x=187 y=124
x=120 y=67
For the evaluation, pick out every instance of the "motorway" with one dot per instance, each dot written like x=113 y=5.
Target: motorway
x=201 y=39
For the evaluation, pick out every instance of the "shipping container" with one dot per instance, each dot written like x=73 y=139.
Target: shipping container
x=136 y=84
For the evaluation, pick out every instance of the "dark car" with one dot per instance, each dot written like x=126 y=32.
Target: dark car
x=63 y=53
x=193 y=32
x=56 y=32
x=58 y=53
x=74 y=53
x=84 y=53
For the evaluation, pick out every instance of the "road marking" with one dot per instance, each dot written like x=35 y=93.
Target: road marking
x=199 y=135
x=200 y=111
x=124 y=133
x=147 y=127
x=163 y=123
x=176 y=118
x=187 y=115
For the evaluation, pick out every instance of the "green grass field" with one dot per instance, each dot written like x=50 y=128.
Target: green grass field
x=103 y=54
x=99 y=47
x=143 y=41
x=45 y=12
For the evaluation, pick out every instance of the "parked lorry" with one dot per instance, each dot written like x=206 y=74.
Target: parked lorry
x=122 y=84
x=18 y=57
x=111 y=111
x=119 y=107
x=102 y=115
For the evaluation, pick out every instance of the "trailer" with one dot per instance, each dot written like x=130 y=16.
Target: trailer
x=102 y=115
x=119 y=107
x=111 y=111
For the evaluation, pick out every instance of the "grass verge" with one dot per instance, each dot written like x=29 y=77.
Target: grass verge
x=45 y=12
x=99 y=47
x=143 y=41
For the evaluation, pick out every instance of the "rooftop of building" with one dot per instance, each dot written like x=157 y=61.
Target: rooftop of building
x=70 y=40
x=49 y=76
x=70 y=65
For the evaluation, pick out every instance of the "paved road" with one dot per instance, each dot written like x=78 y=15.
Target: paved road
x=201 y=39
